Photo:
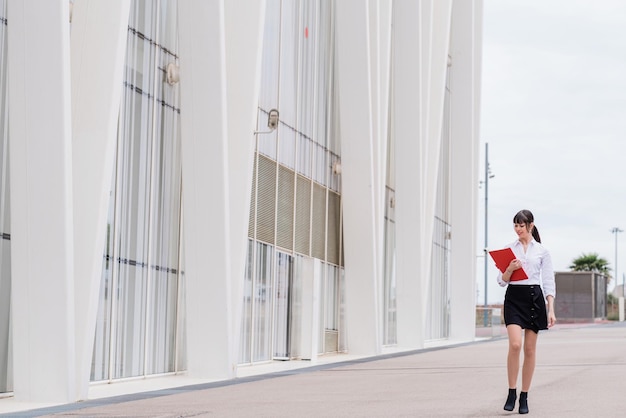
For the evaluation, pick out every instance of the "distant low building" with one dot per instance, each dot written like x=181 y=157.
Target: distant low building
x=581 y=296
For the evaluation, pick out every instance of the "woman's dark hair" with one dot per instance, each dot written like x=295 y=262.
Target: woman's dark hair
x=525 y=216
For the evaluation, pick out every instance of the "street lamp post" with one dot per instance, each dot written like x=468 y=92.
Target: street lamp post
x=616 y=231
x=488 y=176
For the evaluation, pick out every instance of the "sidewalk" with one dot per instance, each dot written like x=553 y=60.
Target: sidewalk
x=580 y=372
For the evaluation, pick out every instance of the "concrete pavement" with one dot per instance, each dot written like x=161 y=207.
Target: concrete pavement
x=580 y=372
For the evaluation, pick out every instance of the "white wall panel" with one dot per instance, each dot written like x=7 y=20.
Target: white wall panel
x=435 y=19
x=419 y=71
x=220 y=48
x=359 y=169
x=244 y=24
x=465 y=47
x=97 y=75
x=407 y=124
x=41 y=201
x=206 y=201
x=380 y=13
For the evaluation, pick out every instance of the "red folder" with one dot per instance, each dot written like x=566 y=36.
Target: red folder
x=503 y=258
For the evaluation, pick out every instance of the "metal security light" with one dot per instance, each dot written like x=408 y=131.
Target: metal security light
x=272 y=122
x=172 y=74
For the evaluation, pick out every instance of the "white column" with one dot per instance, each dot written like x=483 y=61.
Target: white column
x=220 y=47
x=206 y=203
x=420 y=60
x=380 y=56
x=41 y=201
x=407 y=123
x=362 y=276
x=435 y=18
x=97 y=77
x=310 y=271
x=465 y=45
x=244 y=27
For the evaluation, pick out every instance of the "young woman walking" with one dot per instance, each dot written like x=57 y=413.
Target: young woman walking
x=525 y=312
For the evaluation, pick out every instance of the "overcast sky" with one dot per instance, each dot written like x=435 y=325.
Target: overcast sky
x=554 y=114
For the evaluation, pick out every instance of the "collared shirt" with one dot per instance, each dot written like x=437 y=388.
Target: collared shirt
x=537 y=264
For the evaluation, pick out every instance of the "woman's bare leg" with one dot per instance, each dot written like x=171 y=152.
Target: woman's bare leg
x=528 y=369
x=515 y=347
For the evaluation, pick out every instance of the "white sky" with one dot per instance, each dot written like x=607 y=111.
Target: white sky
x=554 y=114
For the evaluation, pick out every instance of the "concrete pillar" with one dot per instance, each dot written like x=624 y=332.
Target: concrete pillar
x=380 y=12
x=465 y=46
x=363 y=265
x=98 y=51
x=406 y=124
x=206 y=214
x=435 y=28
x=220 y=47
x=243 y=30
x=419 y=70
x=41 y=201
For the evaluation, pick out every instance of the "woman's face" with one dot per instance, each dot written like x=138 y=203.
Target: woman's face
x=523 y=230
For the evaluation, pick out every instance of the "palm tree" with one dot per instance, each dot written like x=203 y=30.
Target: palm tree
x=591 y=262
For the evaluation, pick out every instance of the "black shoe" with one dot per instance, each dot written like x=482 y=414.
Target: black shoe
x=523 y=402
x=510 y=401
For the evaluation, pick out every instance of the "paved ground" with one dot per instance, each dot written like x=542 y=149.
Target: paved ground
x=581 y=372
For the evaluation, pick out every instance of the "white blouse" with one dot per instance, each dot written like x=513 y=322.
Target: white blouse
x=537 y=264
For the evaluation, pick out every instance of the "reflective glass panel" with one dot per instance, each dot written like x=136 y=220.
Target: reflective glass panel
x=245 y=339
x=262 y=308
x=138 y=320
x=282 y=305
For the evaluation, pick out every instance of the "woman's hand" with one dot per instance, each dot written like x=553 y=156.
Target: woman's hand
x=551 y=318
x=551 y=315
x=514 y=265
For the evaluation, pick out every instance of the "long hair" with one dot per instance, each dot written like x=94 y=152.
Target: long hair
x=526 y=217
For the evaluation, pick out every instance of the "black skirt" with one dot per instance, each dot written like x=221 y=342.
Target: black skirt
x=524 y=305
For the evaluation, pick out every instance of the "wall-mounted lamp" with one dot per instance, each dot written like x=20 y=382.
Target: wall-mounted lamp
x=336 y=167
x=272 y=122
x=172 y=74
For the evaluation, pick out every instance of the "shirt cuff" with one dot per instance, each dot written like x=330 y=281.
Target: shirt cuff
x=500 y=281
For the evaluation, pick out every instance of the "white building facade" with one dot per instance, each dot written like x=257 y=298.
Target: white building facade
x=153 y=224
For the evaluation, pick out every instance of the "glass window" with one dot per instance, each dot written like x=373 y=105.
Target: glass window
x=297 y=79
x=262 y=308
x=343 y=339
x=304 y=155
x=245 y=340
x=256 y=329
x=268 y=98
x=282 y=306
x=332 y=298
x=296 y=290
x=137 y=328
x=297 y=75
x=390 y=319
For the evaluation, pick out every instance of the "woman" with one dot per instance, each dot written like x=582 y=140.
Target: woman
x=524 y=304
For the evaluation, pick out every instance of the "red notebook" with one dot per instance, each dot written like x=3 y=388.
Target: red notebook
x=503 y=258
